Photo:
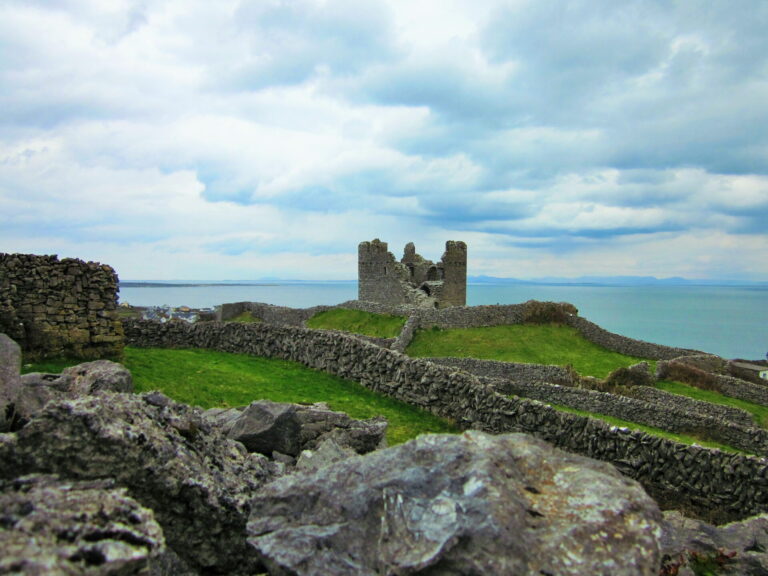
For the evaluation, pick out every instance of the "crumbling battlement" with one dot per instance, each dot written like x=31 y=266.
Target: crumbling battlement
x=55 y=307
x=413 y=280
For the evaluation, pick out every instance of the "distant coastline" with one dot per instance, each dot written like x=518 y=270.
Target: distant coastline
x=171 y=284
x=476 y=280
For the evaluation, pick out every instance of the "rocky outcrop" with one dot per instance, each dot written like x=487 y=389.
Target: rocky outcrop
x=35 y=390
x=267 y=427
x=48 y=526
x=738 y=548
x=469 y=504
x=168 y=458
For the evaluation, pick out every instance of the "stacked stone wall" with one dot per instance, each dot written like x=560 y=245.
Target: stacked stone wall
x=513 y=371
x=663 y=399
x=624 y=345
x=458 y=317
x=525 y=379
x=670 y=412
x=709 y=482
x=55 y=307
x=683 y=370
x=269 y=313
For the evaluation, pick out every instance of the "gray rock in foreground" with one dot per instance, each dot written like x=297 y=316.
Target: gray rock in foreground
x=197 y=482
x=10 y=365
x=33 y=391
x=740 y=547
x=458 y=505
x=266 y=427
x=52 y=527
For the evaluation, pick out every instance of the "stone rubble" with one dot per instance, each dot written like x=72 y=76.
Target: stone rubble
x=50 y=526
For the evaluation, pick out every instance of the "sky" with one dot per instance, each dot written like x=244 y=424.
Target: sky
x=190 y=139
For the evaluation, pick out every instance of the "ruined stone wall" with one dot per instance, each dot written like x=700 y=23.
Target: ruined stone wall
x=412 y=280
x=55 y=307
x=380 y=277
x=269 y=313
x=709 y=482
x=454 y=292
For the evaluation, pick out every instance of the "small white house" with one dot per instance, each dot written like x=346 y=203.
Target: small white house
x=764 y=374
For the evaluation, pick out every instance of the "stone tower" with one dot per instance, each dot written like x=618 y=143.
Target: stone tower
x=414 y=280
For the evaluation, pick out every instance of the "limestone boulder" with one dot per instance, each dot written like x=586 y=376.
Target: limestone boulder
x=268 y=427
x=223 y=418
x=54 y=527
x=328 y=452
x=37 y=389
x=167 y=457
x=455 y=505
x=93 y=377
x=735 y=548
x=10 y=367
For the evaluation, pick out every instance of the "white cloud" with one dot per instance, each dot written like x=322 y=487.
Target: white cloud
x=238 y=136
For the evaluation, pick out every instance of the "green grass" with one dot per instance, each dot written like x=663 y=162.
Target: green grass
x=50 y=366
x=528 y=343
x=759 y=412
x=682 y=438
x=359 y=322
x=246 y=317
x=217 y=379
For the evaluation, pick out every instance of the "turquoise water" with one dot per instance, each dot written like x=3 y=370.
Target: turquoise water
x=730 y=321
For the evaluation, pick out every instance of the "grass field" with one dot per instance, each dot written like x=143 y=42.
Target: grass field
x=217 y=379
x=529 y=343
x=358 y=322
x=245 y=317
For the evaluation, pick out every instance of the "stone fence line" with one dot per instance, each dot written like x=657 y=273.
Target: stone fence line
x=454 y=317
x=704 y=481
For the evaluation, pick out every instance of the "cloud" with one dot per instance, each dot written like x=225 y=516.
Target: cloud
x=226 y=135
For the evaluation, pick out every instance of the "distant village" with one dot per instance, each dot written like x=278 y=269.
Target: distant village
x=170 y=313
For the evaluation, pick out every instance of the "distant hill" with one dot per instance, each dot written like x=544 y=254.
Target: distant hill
x=614 y=281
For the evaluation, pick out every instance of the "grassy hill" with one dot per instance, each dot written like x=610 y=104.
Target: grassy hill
x=527 y=343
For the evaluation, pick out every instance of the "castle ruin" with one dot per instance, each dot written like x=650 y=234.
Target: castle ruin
x=413 y=280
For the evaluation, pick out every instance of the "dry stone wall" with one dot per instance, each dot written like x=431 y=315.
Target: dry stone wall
x=530 y=380
x=624 y=345
x=499 y=315
x=455 y=317
x=726 y=385
x=55 y=307
x=269 y=313
x=514 y=371
x=711 y=483
x=666 y=417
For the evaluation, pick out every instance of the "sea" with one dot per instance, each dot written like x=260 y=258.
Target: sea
x=730 y=321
